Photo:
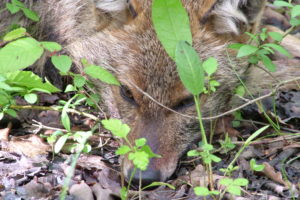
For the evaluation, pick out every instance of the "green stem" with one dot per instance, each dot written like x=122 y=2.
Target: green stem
x=197 y=102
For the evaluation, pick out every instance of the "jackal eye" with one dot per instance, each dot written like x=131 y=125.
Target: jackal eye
x=185 y=103
x=127 y=94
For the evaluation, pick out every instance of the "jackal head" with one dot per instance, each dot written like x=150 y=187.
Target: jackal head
x=149 y=78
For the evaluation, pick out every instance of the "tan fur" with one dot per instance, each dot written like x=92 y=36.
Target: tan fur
x=125 y=42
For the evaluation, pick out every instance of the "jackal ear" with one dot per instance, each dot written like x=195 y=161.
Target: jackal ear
x=114 y=13
x=235 y=16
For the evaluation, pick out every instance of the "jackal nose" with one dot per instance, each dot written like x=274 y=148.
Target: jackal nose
x=148 y=176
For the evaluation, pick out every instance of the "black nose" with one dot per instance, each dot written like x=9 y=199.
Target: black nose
x=148 y=176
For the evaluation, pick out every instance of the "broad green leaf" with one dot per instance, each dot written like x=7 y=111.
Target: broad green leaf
x=13 y=9
x=241 y=182
x=140 y=142
x=1 y=115
x=63 y=63
x=102 y=74
x=210 y=66
x=122 y=150
x=147 y=149
x=29 y=80
x=235 y=190
x=190 y=68
x=124 y=193
x=235 y=46
x=246 y=50
x=60 y=143
x=140 y=159
x=201 y=191
x=276 y=36
x=116 y=127
x=70 y=88
x=278 y=48
x=296 y=11
x=282 y=4
x=268 y=63
x=226 y=181
x=15 y=34
x=30 y=14
x=171 y=23
x=11 y=112
x=51 y=46
x=31 y=98
x=79 y=81
x=18 y=3
x=240 y=90
x=295 y=22
x=19 y=54
x=192 y=153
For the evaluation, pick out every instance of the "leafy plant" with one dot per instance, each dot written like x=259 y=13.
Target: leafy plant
x=256 y=167
x=233 y=186
x=16 y=6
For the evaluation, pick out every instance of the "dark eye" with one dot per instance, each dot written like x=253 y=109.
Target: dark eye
x=185 y=103
x=127 y=95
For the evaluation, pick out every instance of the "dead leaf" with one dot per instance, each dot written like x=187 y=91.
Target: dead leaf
x=270 y=172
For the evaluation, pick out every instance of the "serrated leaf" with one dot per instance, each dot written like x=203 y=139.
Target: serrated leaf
x=102 y=74
x=268 y=63
x=29 y=80
x=60 y=143
x=241 y=182
x=122 y=150
x=15 y=34
x=51 y=46
x=171 y=23
x=140 y=159
x=116 y=127
x=201 y=191
x=276 y=36
x=235 y=190
x=295 y=11
x=31 y=98
x=210 y=66
x=140 y=142
x=19 y=54
x=30 y=14
x=63 y=63
x=246 y=50
x=190 y=68
x=13 y=9
x=278 y=48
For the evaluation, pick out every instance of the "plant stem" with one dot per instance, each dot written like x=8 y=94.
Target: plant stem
x=197 y=102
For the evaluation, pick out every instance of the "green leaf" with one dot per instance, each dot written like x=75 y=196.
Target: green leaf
x=190 y=68
x=276 y=36
x=122 y=150
x=60 y=143
x=102 y=74
x=70 y=88
x=15 y=34
x=268 y=63
x=155 y=184
x=192 y=153
x=235 y=190
x=147 y=149
x=246 y=50
x=116 y=127
x=278 y=48
x=31 y=98
x=171 y=23
x=13 y=9
x=29 y=80
x=210 y=66
x=18 y=3
x=241 y=182
x=201 y=191
x=63 y=63
x=19 y=54
x=256 y=167
x=140 y=142
x=79 y=81
x=30 y=14
x=64 y=115
x=1 y=115
x=123 y=193
x=51 y=46
x=240 y=90
x=295 y=22
x=226 y=181
x=11 y=112
x=235 y=46
x=295 y=11
x=282 y=4
x=140 y=159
